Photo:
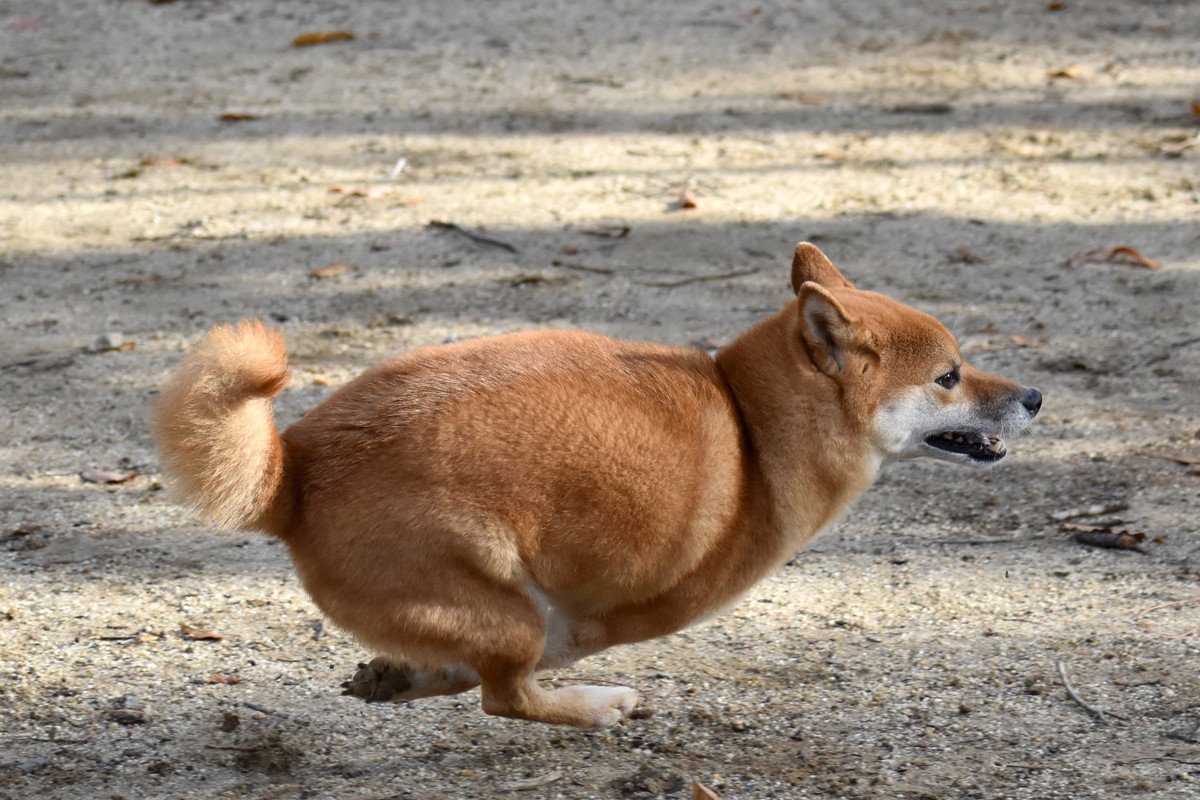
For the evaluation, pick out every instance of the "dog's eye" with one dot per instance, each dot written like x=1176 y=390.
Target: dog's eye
x=949 y=380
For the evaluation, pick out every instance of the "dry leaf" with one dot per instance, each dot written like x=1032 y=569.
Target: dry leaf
x=687 y=199
x=1122 y=254
x=1096 y=536
x=569 y=249
x=989 y=328
x=1055 y=6
x=156 y=161
x=963 y=255
x=221 y=677
x=331 y=270
x=803 y=97
x=236 y=117
x=1021 y=341
x=1073 y=72
x=321 y=37
x=702 y=792
x=93 y=475
x=199 y=633
x=922 y=108
x=1196 y=107
x=1193 y=470
x=374 y=192
x=1130 y=256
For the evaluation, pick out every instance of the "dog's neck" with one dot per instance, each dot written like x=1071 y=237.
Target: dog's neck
x=811 y=458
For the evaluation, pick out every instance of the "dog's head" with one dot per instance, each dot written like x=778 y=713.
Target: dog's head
x=902 y=376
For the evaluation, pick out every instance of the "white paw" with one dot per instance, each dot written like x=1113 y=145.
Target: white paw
x=610 y=704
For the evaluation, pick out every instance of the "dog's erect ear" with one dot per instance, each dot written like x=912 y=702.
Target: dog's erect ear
x=810 y=264
x=827 y=330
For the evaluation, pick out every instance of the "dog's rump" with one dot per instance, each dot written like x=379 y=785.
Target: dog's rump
x=582 y=462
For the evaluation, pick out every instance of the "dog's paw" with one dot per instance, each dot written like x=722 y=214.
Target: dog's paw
x=379 y=681
x=611 y=705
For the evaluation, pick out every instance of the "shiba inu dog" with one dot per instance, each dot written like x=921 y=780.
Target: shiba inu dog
x=478 y=511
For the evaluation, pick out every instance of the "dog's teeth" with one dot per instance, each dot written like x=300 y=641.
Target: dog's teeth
x=996 y=446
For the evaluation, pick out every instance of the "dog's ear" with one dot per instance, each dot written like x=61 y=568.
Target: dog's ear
x=828 y=333
x=810 y=264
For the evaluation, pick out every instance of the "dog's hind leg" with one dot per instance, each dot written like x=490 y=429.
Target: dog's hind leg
x=383 y=681
x=510 y=690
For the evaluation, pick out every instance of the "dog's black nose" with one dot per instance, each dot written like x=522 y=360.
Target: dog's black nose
x=1032 y=400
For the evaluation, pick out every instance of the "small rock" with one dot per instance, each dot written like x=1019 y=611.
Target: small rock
x=33 y=765
x=126 y=716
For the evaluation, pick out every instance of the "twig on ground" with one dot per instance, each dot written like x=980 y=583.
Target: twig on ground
x=582 y=267
x=738 y=273
x=262 y=709
x=1185 y=634
x=474 y=236
x=233 y=748
x=1097 y=510
x=1098 y=713
x=1168 y=604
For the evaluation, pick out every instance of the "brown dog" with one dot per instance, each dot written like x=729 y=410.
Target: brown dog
x=478 y=511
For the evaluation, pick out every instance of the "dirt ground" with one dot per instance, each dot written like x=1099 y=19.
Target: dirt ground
x=927 y=146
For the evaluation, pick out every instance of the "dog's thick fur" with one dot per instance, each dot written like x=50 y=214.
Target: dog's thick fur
x=478 y=511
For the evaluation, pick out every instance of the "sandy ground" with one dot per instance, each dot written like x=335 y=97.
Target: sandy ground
x=910 y=653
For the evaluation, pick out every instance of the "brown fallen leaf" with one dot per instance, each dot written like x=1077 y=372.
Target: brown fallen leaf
x=1073 y=72
x=804 y=97
x=321 y=37
x=569 y=249
x=989 y=328
x=93 y=475
x=1122 y=254
x=687 y=199
x=1193 y=470
x=221 y=677
x=164 y=161
x=1196 y=107
x=331 y=270
x=1021 y=341
x=1128 y=255
x=237 y=117
x=199 y=633
x=1055 y=6
x=374 y=193
x=1100 y=536
x=702 y=792
x=963 y=255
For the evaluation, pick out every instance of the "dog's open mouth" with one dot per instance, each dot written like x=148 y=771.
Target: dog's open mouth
x=976 y=446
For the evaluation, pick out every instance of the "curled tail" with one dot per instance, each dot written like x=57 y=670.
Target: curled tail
x=215 y=426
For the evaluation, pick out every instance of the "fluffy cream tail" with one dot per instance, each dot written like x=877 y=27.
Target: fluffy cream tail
x=216 y=428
